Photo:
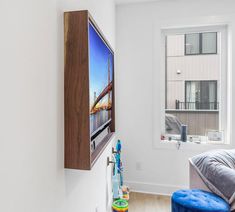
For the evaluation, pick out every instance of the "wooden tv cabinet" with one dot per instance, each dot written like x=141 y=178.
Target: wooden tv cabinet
x=77 y=144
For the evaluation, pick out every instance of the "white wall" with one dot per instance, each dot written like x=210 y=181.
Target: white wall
x=32 y=177
x=139 y=87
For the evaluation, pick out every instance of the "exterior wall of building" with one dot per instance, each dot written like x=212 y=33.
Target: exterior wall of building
x=198 y=122
x=181 y=68
x=175 y=45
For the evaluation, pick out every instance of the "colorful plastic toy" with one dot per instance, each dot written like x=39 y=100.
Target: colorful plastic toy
x=119 y=162
x=119 y=190
x=120 y=206
x=125 y=192
x=115 y=180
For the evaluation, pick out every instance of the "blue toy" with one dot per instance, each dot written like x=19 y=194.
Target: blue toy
x=119 y=146
x=115 y=181
x=118 y=161
x=118 y=171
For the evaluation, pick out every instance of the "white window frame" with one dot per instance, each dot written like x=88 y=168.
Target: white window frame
x=223 y=88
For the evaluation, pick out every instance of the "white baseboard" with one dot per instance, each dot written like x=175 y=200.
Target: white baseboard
x=151 y=188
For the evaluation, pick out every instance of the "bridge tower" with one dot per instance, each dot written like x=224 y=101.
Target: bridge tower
x=95 y=96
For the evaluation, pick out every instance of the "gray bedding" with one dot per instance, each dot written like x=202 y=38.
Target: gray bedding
x=217 y=170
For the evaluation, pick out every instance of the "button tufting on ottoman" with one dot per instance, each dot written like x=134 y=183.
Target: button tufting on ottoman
x=197 y=200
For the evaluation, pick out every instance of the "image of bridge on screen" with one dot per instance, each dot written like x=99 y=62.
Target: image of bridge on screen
x=101 y=62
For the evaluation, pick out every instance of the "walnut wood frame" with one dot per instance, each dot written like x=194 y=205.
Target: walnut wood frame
x=77 y=147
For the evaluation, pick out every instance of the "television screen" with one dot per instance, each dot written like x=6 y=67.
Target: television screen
x=101 y=63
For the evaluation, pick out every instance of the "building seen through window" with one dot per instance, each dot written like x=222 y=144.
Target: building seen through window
x=192 y=83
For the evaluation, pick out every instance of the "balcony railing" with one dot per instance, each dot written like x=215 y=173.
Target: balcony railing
x=196 y=105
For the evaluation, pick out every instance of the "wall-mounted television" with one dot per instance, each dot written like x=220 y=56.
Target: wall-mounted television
x=89 y=109
x=101 y=65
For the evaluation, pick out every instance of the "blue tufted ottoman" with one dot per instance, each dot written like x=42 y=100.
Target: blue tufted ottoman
x=197 y=200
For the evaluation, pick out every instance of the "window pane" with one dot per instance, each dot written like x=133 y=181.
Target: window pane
x=204 y=95
x=212 y=95
x=201 y=95
x=192 y=44
x=209 y=43
x=192 y=94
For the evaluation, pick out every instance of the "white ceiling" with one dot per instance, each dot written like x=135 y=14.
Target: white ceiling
x=132 y=1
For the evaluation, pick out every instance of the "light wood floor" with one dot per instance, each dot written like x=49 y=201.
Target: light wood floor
x=140 y=202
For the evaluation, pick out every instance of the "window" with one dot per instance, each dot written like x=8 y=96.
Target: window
x=192 y=44
x=201 y=95
x=201 y=43
x=195 y=87
x=209 y=43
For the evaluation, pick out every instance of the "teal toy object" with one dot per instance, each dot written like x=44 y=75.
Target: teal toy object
x=118 y=155
x=115 y=181
x=119 y=162
x=117 y=171
x=119 y=146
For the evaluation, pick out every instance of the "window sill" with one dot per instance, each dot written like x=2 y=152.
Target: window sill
x=190 y=146
x=191 y=110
